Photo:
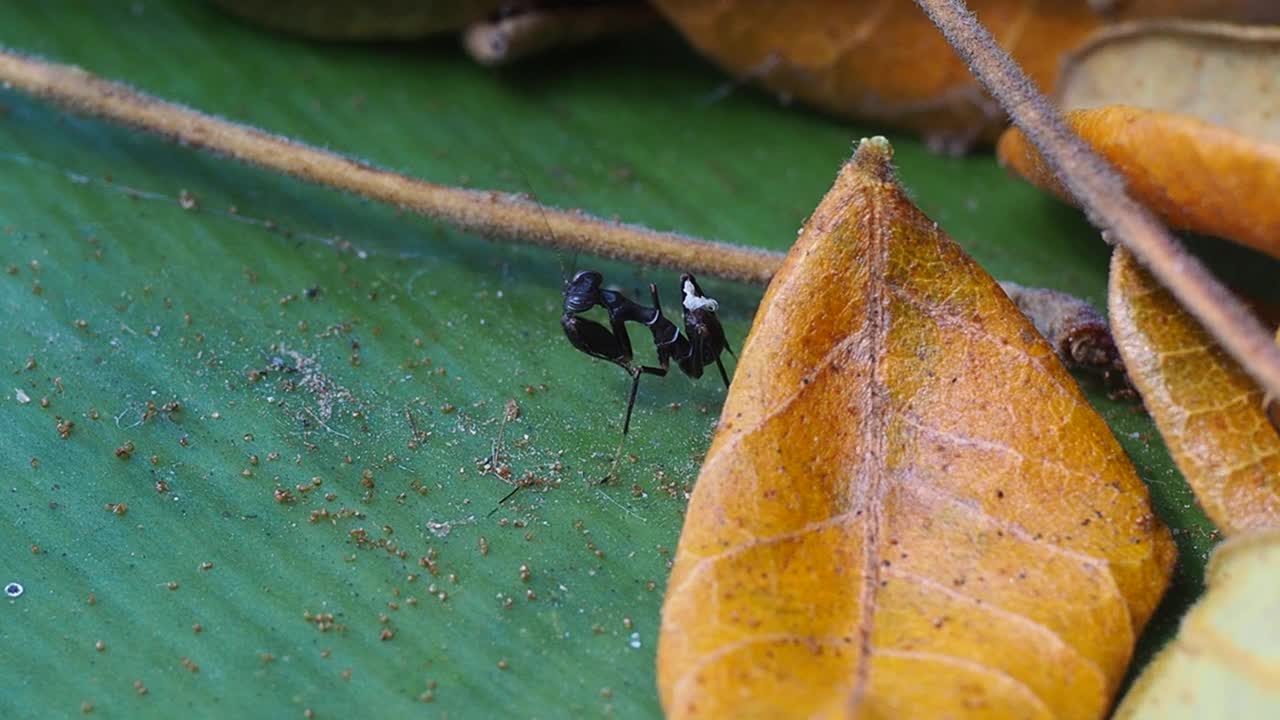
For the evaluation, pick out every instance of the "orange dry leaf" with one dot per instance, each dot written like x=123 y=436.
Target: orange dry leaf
x=909 y=509
x=1187 y=112
x=882 y=60
x=1196 y=176
x=1210 y=413
x=879 y=60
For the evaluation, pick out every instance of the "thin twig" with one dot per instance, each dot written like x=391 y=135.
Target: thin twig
x=497 y=215
x=1100 y=190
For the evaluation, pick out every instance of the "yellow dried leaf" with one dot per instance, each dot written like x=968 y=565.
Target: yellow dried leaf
x=1210 y=413
x=909 y=509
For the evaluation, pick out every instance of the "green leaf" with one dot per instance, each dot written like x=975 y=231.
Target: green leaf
x=187 y=305
x=1223 y=661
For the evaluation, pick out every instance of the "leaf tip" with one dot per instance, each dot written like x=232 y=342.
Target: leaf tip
x=874 y=157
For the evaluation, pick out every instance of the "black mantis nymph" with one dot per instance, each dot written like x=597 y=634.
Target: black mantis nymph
x=699 y=346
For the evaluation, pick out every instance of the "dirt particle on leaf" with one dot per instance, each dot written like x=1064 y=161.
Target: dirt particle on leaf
x=118 y=509
x=99 y=646
x=187 y=200
x=125 y=451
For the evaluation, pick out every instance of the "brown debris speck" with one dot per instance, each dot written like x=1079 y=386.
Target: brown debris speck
x=187 y=200
x=125 y=451
x=120 y=509
x=502 y=664
x=139 y=688
x=64 y=428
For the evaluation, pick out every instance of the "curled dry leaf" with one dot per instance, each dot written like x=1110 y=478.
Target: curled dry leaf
x=1188 y=113
x=909 y=509
x=1211 y=414
x=1225 y=660
x=1074 y=328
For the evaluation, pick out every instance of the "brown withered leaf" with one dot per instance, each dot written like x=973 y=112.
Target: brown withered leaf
x=1188 y=113
x=909 y=509
x=1210 y=413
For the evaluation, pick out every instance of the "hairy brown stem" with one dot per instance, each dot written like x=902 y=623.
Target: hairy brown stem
x=1100 y=190
x=497 y=215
